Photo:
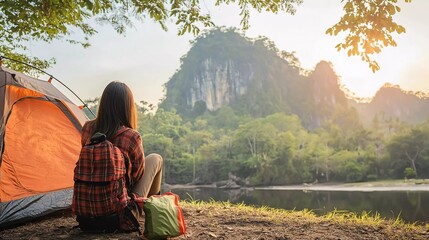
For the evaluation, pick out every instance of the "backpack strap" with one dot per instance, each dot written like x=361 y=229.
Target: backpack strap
x=127 y=177
x=133 y=213
x=127 y=163
x=127 y=160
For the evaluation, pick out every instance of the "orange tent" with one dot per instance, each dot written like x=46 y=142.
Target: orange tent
x=39 y=143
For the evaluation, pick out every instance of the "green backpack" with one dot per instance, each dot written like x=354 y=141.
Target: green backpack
x=163 y=216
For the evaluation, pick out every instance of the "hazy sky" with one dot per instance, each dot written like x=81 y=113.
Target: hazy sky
x=146 y=57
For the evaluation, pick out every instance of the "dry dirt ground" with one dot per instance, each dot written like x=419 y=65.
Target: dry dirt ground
x=228 y=221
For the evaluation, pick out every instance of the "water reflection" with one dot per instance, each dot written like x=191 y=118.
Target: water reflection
x=409 y=206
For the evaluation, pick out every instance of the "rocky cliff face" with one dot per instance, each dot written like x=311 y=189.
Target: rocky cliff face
x=219 y=83
x=226 y=68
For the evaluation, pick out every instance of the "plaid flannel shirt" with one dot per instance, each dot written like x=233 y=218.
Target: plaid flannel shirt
x=130 y=143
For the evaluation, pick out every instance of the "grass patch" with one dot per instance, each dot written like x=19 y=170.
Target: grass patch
x=365 y=219
x=252 y=222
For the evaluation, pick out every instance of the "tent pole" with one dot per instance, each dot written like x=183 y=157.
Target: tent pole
x=50 y=76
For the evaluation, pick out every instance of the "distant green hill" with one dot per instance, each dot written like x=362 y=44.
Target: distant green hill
x=391 y=102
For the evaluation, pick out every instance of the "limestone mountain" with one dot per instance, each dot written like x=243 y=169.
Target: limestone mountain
x=253 y=77
x=226 y=68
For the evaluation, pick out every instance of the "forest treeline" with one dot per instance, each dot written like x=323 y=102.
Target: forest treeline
x=277 y=149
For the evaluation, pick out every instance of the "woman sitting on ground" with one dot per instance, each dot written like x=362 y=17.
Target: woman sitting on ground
x=116 y=119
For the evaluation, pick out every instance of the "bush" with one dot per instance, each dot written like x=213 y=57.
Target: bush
x=371 y=177
x=409 y=173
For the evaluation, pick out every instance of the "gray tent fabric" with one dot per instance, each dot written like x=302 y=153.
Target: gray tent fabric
x=21 y=210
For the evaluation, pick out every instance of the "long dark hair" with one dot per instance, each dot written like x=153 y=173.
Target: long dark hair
x=116 y=109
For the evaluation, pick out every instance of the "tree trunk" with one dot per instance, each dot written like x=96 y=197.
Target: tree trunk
x=252 y=151
x=413 y=160
x=413 y=163
x=193 y=163
x=254 y=145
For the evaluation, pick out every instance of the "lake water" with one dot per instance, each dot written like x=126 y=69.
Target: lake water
x=410 y=206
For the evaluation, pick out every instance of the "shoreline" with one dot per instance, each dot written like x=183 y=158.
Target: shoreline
x=417 y=188
x=377 y=186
